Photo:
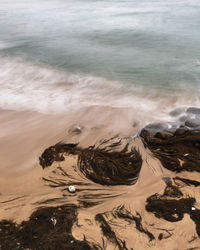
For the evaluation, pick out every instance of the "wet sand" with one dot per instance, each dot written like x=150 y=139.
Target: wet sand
x=26 y=187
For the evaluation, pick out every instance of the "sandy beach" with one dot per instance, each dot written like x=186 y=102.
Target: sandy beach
x=28 y=187
x=99 y=125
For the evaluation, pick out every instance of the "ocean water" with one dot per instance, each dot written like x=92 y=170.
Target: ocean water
x=56 y=54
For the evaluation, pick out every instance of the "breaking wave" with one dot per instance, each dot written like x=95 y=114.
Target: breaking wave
x=29 y=86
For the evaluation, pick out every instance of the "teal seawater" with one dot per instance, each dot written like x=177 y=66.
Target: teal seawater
x=149 y=44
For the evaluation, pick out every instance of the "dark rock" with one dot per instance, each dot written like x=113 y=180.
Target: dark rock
x=163 y=135
x=160 y=130
x=181 y=131
x=195 y=132
x=177 y=111
x=183 y=118
x=195 y=122
x=157 y=126
x=135 y=124
x=166 y=179
x=147 y=133
x=171 y=130
x=193 y=110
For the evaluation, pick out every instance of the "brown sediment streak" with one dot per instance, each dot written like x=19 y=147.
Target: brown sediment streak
x=14 y=199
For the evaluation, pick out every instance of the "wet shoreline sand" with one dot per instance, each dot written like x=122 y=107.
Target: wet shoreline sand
x=105 y=216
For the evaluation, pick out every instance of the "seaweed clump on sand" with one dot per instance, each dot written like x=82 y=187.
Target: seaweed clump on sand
x=171 y=206
x=120 y=216
x=179 y=151
x=187 y=181
x=123 y=213
x=109 y=233
x=56 y=153
x=105 y=165
x=48 y=228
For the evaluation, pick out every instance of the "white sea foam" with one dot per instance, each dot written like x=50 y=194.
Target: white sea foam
x=25 y=86
x=28 y=86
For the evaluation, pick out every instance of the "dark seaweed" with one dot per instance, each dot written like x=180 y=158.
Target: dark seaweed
x=110 y=168
x=180 y=152
x=47 y=229
x=187 y=181
x=123 y=213
x=170 y=210
x=109 y=233
x=99 y=165
x=173 y=209
x=55 y=153
x=172 y=191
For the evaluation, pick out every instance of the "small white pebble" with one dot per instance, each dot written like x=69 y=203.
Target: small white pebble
x=72 y=189
x=71 y=241
x=186 y=154
x=54 y=221
x=193 y=208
